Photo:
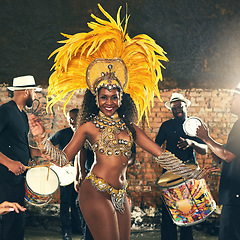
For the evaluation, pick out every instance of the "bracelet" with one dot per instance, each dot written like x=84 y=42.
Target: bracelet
x=58 y=156
x=173 y=164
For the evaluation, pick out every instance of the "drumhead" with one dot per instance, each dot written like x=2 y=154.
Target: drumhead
x=42 y=180
x=66 y=174
x=190 y=126
x=169 y=179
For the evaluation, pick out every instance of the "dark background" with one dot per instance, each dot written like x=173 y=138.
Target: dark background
x=201 y=37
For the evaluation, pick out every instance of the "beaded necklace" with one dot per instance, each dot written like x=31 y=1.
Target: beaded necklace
x=108 y=144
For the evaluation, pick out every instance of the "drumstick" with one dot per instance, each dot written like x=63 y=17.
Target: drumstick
x=48 y=172
x=44 y=165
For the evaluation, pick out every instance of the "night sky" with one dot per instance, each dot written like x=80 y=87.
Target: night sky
x=201 y=37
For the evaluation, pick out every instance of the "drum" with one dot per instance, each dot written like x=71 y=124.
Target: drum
x=66 y=174
x=189 y=202
x=190 y=126
x=41 y=183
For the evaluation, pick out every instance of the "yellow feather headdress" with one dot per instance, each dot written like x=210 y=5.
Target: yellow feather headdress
x=107 y=39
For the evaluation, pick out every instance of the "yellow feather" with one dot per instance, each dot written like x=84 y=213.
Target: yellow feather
x=107 y=39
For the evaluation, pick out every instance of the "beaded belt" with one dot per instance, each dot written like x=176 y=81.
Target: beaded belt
x=117 y=196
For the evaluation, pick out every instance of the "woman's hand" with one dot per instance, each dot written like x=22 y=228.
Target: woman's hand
x=7 y=207
x=36 y=126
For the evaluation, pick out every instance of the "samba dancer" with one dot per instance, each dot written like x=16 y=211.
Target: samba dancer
x=121 y=75
x=183 y=147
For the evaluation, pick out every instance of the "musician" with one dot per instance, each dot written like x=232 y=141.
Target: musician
x=184 y=148
x=15 y=153
x=68 y=194
x=229 y=189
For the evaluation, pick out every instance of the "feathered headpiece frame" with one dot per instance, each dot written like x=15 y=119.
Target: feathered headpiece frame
x=107 y=40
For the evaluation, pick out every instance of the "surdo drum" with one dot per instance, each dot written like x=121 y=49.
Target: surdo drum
x=41 y=183
x=189 y=202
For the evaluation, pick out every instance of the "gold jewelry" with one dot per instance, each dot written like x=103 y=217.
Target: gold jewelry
x=108 y=143
x=117 y=196
x=170 y=162
x=58 y=156
x=115 y=77
x=106 y=55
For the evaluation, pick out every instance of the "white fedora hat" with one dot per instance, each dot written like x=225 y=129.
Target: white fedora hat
x=177 y=97
x=24 y=82
x=237 y=89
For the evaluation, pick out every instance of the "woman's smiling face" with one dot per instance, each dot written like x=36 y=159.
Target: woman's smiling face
x=109 y=101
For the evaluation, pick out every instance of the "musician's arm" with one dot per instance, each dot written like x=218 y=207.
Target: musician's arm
x=14 y=166
x=217 y=148
x=200 y=148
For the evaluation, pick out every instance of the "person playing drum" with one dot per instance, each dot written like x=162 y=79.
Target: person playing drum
x=121 y=75
x=229 y=155
x=183 y=146
x=15 y=152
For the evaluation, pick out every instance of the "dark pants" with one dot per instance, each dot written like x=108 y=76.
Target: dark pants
x=69 y=220
x=169 y=229
x=230 y=223
x=13 y=224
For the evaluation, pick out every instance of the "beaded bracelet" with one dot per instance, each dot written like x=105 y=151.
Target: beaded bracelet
x=57 y=156
x=171 y=163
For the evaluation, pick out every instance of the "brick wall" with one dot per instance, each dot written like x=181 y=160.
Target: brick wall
x=212 y=106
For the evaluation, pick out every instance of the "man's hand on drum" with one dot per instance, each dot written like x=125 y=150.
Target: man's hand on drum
x=7 y=207
x=202 y=132
x=16 y=167
x=184 y=143
x=36 y=126
x=206 y=172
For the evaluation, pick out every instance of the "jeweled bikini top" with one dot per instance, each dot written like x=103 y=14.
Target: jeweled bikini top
x=108 y=143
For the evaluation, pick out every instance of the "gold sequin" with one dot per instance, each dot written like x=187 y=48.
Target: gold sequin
x=108 y=143
x=117 y=196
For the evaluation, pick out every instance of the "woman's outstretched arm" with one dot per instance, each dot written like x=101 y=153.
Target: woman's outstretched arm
x=52 y=153
x=166 y=159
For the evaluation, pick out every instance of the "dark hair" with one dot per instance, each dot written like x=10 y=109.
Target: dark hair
x=127 y=111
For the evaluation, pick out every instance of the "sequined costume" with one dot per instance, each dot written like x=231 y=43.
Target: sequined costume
x=117 y=196
x=108 y=143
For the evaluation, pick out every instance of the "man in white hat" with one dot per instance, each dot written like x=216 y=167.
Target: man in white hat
x=15 y=153
x=229 y=189
x=183 y=146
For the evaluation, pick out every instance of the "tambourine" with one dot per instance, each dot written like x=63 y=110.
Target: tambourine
x=190 y=126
